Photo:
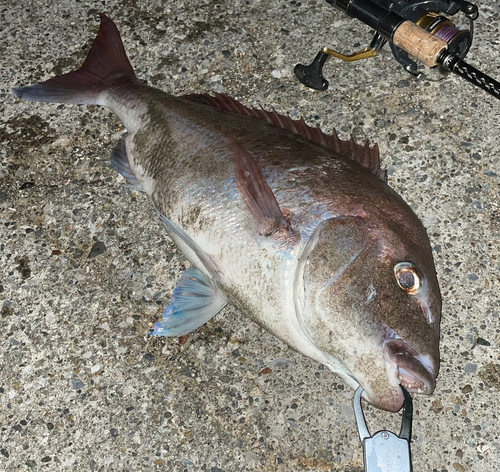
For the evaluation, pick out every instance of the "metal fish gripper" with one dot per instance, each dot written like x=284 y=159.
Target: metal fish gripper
x=385 y=451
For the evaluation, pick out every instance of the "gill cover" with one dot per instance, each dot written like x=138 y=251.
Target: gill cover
x=329 y=261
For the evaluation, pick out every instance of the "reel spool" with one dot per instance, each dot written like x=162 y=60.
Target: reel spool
x=459 y=41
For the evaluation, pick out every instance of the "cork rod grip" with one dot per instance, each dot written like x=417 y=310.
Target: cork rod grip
x=419 y=43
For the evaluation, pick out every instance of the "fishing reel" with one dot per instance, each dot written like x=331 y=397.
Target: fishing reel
x=427 y=15
x=420 y=29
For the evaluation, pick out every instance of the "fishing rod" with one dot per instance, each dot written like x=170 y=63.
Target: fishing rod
x=416 y=30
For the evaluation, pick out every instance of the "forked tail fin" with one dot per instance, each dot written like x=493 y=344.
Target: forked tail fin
x=106 y=64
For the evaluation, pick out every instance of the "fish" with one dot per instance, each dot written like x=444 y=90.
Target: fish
x=296 y=228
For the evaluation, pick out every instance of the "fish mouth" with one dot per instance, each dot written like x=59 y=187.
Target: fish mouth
x=413 y=370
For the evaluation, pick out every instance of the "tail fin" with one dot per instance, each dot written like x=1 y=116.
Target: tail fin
x=106 y=63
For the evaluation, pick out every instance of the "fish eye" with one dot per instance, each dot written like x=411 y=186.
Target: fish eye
x=407 y=277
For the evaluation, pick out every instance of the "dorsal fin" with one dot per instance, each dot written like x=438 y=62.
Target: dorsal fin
x=365 y=155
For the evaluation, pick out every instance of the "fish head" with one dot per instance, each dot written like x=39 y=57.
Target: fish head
x=369 y=299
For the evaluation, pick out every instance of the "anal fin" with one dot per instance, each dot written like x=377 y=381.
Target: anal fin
x=119 y=160
x=194 y=301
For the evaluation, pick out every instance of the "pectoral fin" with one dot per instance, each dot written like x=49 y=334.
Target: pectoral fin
x=255 y=192
x=194 y=301
x=119 y=160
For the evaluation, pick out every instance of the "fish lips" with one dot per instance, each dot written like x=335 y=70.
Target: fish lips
x=404 y=367
x=415 y=372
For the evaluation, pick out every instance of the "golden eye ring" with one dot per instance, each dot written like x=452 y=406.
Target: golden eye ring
x=407 y=277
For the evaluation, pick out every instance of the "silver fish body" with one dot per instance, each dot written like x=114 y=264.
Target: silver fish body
x=310 y=244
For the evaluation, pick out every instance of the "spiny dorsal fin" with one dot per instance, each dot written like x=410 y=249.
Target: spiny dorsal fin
x=365 y=155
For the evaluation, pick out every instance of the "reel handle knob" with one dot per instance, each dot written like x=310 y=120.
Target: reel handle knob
x=312 y=75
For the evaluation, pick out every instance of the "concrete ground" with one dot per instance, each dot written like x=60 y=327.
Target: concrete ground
x=85 y=266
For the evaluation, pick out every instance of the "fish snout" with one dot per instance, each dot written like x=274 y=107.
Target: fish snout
x=414 y=371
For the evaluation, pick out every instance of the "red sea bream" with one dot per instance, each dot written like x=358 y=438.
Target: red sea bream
x=296 y=228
